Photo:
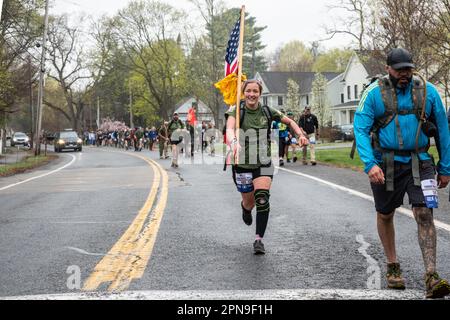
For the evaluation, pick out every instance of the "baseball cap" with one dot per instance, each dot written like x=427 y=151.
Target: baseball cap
x=399 y=58
x=175 y=113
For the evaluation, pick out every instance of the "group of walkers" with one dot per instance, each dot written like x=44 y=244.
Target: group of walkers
x=137 y=138
x=396 y=117
x=288 y=145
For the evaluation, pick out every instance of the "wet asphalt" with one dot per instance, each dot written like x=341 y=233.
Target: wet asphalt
x=318 y=237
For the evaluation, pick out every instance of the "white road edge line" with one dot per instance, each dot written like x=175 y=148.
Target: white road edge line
x=41 y=176
x=401 y=210
x=281 y=294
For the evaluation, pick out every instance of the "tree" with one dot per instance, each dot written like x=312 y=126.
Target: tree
x=353 y=19
x=147 y=32
x=293 y=57
x=334 y=60
x=293 y=97
x=19 y=27
x=211 y=49
x=68 y=68
x=319 y=99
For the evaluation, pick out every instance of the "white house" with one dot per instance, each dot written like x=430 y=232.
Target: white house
x=203 y=111
x=275 y=87
x=360 y=69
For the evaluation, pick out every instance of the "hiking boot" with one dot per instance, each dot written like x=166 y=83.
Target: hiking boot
x=436 y=286
x=246 y=215
x=313 y=163
x=295 y=159
x=258 y=247
x=394 y=277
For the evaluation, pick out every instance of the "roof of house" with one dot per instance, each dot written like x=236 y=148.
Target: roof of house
x=186 y=104
x=373 y=61
x=348 y=104
x=276 y=82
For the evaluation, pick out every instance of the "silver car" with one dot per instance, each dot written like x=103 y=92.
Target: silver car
x=20 y=139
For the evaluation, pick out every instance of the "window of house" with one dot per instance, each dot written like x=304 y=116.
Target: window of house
x=356 y=91
x=342 y=98
x=280 y=100
x=349 y=93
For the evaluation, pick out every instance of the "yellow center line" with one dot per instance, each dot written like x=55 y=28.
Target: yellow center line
x=124 y=252
x=144 y=246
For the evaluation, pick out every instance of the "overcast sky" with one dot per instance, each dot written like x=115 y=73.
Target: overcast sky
x=286 y=20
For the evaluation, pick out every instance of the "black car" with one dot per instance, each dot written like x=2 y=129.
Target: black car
x=67 y=140
x=343 y=132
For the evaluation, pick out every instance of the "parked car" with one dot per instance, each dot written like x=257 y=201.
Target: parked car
x=343 y=132
x=67 y=140
x=20 y=139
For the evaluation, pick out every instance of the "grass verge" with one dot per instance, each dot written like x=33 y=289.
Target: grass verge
x=341 y=158
x=29 y=162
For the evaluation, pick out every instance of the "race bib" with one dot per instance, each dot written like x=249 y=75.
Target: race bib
x=430 y=193
x=244 y=182
x=312 y=140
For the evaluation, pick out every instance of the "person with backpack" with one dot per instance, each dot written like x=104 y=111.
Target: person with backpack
x=308 y=122
x=392 y=137
x=175 y=126
x=253 y=169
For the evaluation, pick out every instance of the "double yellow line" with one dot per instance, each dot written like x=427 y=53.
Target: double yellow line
x=129 y=257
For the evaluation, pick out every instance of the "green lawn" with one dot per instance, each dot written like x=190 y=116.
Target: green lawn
x=27 y=163
x=341 y=158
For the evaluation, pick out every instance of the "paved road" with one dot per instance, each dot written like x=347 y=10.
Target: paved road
x=128 y=222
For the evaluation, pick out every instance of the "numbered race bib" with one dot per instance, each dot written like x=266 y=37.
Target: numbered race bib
x=312 y=140
x=429 y=188
x=244 y=182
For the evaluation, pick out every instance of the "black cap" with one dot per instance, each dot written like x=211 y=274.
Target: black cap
x=400 y=58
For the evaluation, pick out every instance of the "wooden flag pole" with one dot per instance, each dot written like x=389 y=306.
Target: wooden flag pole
x=239 y=82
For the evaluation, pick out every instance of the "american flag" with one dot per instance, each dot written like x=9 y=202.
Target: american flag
x=232 y=59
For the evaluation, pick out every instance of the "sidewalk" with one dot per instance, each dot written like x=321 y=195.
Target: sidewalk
x=13 y=157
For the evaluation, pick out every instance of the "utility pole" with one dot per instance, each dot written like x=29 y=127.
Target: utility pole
x=131 y=109
x=98 y=113
x=1 y=7
x=41 y=84
x=31 y=104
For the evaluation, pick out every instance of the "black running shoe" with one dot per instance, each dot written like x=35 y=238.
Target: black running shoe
x=246 y=216
x=281 y=162
x=258 y=247
x=295 y=159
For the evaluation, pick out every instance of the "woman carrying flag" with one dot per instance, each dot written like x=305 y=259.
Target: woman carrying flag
x=253 y=169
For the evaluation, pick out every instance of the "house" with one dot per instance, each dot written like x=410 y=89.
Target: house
x=204 y=113
x=275 y=87
x=360 y=69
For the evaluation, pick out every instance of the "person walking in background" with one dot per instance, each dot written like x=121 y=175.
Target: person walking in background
x=175 y=126
x=308 y=122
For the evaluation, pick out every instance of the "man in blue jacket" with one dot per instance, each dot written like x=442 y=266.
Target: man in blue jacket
x=392 y=137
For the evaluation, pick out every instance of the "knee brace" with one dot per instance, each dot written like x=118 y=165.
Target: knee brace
x=262 y=200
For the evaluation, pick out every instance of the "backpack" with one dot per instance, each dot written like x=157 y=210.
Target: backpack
x=266 y=111
x=391 y=113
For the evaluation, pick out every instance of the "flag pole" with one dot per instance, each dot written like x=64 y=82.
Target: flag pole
x=239 y=84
